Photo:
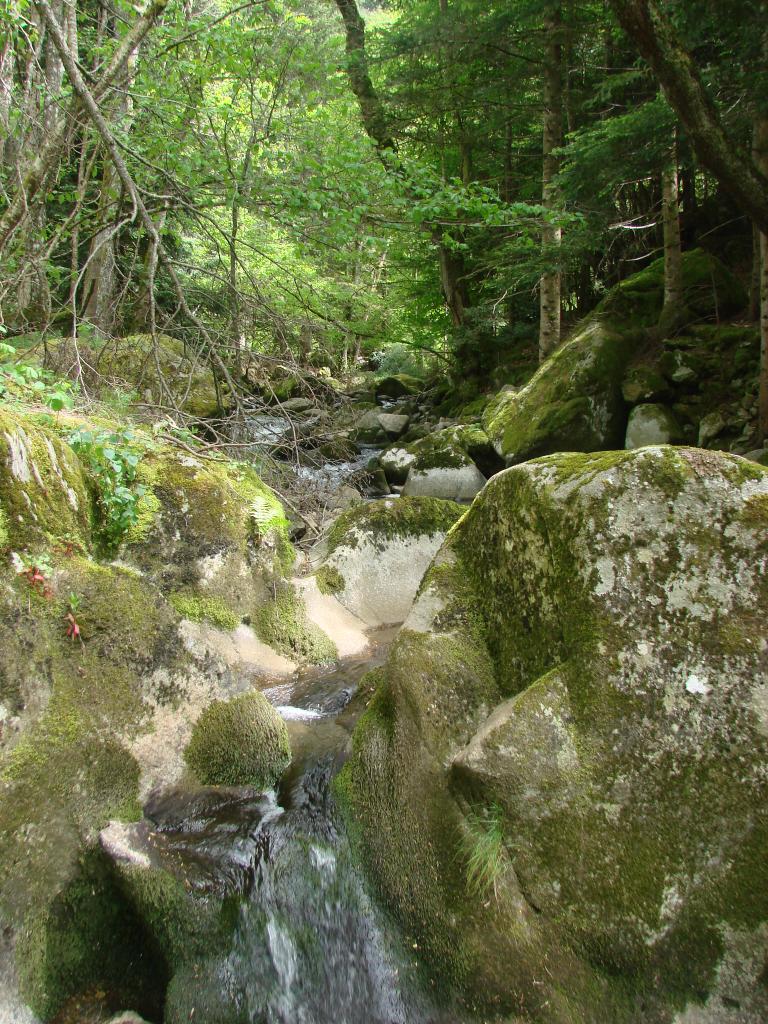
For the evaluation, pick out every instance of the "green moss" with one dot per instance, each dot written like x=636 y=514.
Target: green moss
x=147 y=509
x=329 y=580
x=43 y=494
x=239 y=742
x=201 y=507
x=756 y=511
x=185 y=928
x=199 y=608
x=88 y=938
x=4 y=534
x=389 y=519
x=283 y=624
x=572 y=403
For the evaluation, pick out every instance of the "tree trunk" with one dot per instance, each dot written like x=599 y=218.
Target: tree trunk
x=100 y=279
x=651 y=30
x=452 y=274
x=35 y=174
x=673 y=310
x=550 y=285
x=761 y=155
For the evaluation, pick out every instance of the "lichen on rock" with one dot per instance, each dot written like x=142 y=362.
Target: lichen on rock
x=618 y=601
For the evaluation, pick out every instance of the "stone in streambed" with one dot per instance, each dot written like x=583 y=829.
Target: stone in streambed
x=652 y=424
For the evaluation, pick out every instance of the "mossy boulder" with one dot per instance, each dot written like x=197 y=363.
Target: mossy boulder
x=94 y=717
x=151 y=369
x=375 y=555
x=43 y=491
x=283 y=623
x=574 y=401
x=651 y=423
x=583 y=677
x=399 y=385
x=710 y=289
x=209 y=532
x=240 y=742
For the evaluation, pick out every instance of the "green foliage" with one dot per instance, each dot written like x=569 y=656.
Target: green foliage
x=112 y=458
x=239 y=742
x=483 y=849
x=24 y=381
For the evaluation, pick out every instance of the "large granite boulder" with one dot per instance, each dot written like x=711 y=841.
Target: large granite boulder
x=375 y=555
x=565 y=762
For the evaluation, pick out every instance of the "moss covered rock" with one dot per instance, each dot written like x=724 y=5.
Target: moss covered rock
x=93 y=717
x=209 y=531
x=375 y=555
x=574 y=401
x=399 y=385
x=43 y=493
x=283 y=623
x=575 y=714
x=137 y=364
x=241 y=742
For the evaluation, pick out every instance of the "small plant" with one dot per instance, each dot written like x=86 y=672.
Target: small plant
x=37 y=571
x=483 y=849
x=73 y=626
x=113 y=464
x=33 y=383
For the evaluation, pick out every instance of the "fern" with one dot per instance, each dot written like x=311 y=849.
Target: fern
x=264 y=514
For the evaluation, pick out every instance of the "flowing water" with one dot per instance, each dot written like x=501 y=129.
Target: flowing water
x=310 y=946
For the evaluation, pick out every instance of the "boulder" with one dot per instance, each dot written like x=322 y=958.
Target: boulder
x=652 y=424
x=565 y=761
x=240 y=742
x=375 y=555
x=368 y=429
x=299 y=406
x=456 y=483
x=574 y=401
x=396 y=462
x=138 y=364
x=394 y=424
x=442 y=468
x=105 y=665
x=400 y=385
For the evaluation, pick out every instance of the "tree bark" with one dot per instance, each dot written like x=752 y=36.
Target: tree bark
x=650 y=29
x=761 y=156
x=673 y=310
x=371 y=107
x=551 y=283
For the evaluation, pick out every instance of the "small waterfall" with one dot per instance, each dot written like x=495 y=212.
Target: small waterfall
x=310 y=945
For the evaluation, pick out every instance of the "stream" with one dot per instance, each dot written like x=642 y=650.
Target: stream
x=310 y=946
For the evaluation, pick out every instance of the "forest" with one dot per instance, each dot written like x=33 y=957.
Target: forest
x=383 y=511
